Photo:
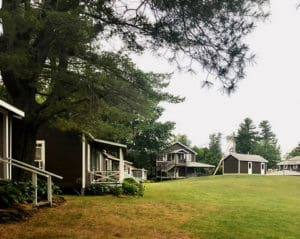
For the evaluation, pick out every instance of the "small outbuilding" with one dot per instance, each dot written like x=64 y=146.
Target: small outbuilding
x=236 y=163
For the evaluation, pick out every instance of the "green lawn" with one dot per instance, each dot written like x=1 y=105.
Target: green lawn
x=208 y=207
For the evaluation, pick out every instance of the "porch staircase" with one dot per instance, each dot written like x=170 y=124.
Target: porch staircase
x=166 y=166
x=9 y=162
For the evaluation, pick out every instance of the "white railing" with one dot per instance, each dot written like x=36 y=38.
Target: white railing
x=140 y=174
x=105 y=176
x=35 y=172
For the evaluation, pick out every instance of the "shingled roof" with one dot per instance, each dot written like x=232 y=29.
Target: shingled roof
x=291 y=161
x=248 y=157
x=199 y=165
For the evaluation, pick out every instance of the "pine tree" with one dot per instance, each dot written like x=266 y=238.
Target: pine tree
x=215 y=147
x=266 y=132
x=246 y=137
x=52 y=60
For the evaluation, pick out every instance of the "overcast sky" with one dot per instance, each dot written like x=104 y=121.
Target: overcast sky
x=271 y=90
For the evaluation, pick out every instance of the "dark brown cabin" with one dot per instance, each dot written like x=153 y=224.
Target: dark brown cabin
x=80 y=158
x=236 y=163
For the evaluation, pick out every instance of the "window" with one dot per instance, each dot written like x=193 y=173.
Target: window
x=295 y=166
x=40 y=154
x=285 y=166
x=249 y=165
x=262 y=166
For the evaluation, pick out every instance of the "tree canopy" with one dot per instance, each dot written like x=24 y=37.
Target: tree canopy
x=182 y=138
x=246 y=136
x=294 y=152
x=55 y=67
x=262 y=142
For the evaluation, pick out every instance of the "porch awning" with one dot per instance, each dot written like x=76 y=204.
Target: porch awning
x=199 y=165
x=109 y=156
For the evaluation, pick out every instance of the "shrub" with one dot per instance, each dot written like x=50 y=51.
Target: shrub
x=42 y=189
x=15 y=192
x=131 y=186
x=116 y=190
x=97 y=189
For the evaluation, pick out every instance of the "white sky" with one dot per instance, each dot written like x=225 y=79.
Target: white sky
x=271 y=90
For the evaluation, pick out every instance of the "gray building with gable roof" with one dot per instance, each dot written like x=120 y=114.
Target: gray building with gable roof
x=236 y=163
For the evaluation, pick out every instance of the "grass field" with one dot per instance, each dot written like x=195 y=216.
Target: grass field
x=207 y=207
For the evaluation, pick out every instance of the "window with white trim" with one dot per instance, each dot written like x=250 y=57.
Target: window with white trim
x=295 y=166
x=285 y=166
x=40 y=154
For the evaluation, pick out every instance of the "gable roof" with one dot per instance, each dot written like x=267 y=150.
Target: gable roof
x=183 y=146
x=12 y=109
x=101 y=141
x=291 y=161
x=247 y=157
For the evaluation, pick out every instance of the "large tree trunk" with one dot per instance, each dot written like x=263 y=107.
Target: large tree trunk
x=24 y=144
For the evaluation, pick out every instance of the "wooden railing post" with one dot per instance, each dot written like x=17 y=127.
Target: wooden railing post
x=49 y=190
x=34 y=182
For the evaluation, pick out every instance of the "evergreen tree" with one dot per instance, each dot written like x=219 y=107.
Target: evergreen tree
x=53 y=63
x=267 y=145
x=148 y=137
x=266 y=132
x=204 y=155
x=295 y=152
x=269 y=151
x=182 y=138
x=246 y=137
x=215 y=147
x=263 y=143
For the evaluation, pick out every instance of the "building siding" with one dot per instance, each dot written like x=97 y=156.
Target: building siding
x=244 y=167
x=256 y=168
x=289 y=167
x=63 y=156
x=177 y=147
x=230 y=165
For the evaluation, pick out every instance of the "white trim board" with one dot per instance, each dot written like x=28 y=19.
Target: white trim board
x=11 y=108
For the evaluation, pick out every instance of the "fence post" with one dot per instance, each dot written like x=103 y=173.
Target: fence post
x=34 y=182
x=49 y=190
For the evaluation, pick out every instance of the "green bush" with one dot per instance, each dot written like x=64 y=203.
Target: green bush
x=15 y=192
x=97 y=189
x=116 y=190
x=42 y=189
x=131 y=186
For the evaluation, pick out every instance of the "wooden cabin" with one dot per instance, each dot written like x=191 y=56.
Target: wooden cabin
x=10 y=117
x=292 y=165
x=178 y=161
x=236 y=163
x=80 y=158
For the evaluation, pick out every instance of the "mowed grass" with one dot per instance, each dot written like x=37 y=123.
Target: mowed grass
x=207 y=207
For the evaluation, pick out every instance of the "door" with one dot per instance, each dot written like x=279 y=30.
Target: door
x=262 y=168
x=249 y=167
